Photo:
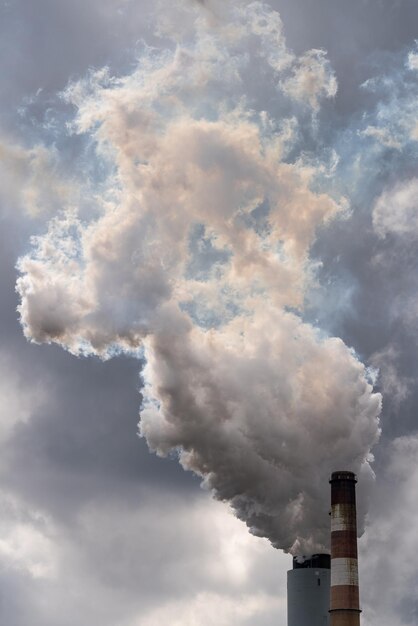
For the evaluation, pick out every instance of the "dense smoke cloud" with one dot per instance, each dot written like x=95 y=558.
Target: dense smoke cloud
x=196 y=252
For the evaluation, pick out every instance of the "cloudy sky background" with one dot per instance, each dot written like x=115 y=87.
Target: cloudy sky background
x=95 y=529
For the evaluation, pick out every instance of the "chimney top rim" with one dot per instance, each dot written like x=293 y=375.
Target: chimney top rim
x=343 y=475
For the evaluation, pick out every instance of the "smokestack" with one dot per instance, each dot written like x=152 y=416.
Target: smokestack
x=344 y=606
x=308 y=585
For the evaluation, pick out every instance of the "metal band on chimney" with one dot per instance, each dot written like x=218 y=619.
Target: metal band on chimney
x=345 y=604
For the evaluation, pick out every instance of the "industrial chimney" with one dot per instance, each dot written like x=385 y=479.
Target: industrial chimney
x=308 y=586
x=344 y=605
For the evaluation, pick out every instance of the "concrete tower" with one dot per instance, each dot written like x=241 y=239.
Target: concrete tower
x=344 y=606
x=308 y=591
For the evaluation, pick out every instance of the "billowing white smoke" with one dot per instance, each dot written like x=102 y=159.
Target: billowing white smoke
x=197 y=253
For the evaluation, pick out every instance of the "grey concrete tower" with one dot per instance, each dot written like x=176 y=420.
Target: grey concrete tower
x=308 y=591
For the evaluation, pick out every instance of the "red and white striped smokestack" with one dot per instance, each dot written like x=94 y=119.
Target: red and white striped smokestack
x=345 y=604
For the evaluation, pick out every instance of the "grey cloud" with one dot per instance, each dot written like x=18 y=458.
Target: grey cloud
x=371 y=257
x=395 y=210
x=357 y=36
x=141 y=564
x=391 y=539
x=54 y=41
x=396 y=388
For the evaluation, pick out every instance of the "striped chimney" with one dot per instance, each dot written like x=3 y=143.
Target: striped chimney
x=344 y=605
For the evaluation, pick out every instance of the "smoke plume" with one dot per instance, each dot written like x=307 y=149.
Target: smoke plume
x=194 y=250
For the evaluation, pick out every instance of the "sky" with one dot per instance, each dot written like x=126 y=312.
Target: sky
x=208 y=304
